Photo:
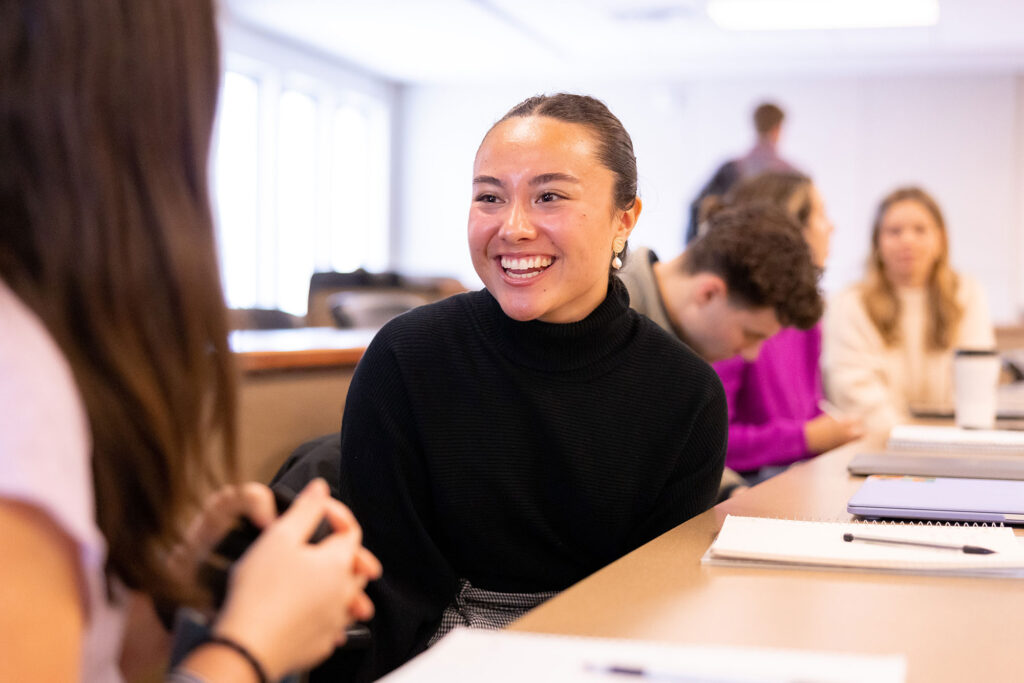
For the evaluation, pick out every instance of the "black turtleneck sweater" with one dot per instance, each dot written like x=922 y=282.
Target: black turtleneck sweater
x=521 y=456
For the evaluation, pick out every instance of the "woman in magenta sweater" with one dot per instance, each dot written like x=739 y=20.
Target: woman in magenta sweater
x=775 y=417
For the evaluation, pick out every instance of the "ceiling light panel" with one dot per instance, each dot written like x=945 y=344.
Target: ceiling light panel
x=796 y=15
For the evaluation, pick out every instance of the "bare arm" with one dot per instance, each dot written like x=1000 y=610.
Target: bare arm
x=41 y=591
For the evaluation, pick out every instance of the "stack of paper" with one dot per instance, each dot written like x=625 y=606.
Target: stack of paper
x=940 y=438
x=466 y=656
x=944 y=464
x=785 y=543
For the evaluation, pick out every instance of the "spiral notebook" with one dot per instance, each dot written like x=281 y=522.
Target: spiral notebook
x=790 y=544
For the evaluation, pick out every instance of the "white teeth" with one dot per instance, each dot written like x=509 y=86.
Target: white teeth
x=524 y=276
x=510 y=263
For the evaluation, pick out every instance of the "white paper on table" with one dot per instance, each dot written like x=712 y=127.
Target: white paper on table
x=471 y=655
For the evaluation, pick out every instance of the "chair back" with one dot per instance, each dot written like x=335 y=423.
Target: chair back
x=374 y=298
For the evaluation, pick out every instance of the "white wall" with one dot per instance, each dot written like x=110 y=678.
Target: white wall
x=960 y=136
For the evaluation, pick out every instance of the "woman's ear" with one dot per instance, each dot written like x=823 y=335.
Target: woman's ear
x=627 y=219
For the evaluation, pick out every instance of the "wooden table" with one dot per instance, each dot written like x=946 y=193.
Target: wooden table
x=950 y=629
x=302 y=348
x=292 y=388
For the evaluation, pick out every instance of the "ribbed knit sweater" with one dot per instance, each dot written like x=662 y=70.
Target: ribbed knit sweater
x=521 y=456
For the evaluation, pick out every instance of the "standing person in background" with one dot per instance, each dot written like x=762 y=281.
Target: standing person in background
x=775 y=417
x=728 y=294
x=116 y=379
x=763 y=157
x=889 y=340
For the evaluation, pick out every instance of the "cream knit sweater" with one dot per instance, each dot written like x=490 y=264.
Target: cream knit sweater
x=883 y=384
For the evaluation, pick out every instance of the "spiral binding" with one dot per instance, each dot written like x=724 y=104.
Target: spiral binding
x=882 y=522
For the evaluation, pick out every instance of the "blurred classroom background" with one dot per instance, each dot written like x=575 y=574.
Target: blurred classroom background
x=347 y=129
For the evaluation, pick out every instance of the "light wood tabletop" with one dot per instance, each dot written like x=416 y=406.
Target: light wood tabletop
x=949 y=629
x=299 y=349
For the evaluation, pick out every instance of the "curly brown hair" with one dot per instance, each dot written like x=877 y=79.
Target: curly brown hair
x=760 y=253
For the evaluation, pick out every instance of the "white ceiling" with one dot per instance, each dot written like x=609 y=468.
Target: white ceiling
x=487 y=41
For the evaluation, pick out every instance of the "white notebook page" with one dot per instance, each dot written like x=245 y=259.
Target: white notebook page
x=807 y=543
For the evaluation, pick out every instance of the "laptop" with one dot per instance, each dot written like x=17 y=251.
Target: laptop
x=983 y=466
x=940 y=498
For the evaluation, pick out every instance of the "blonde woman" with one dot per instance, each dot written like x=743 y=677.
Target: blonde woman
x=889 y=340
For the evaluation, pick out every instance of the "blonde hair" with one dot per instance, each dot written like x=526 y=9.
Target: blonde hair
x=879 y=293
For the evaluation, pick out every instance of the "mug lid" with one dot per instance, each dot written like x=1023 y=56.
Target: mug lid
x=976 y=352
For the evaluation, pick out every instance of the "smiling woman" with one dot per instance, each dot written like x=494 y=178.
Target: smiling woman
x=500 y=445
x=542 y=240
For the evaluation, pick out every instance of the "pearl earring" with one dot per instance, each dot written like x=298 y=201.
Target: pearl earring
x=617 y=248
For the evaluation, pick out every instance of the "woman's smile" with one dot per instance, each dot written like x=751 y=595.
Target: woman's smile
x=525 y=267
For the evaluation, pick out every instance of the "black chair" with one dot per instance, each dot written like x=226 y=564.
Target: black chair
x=320 y=457
x=371 y=298
x=262 y=319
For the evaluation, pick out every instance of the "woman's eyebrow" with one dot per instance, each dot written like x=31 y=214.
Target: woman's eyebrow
x=553 y=177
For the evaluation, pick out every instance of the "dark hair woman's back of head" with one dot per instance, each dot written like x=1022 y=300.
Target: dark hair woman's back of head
x=106 y=233
x=760 y=253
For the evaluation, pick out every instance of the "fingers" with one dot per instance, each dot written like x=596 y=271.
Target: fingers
x=341 y=518
x=305 y=513
x=361 y=607
x=218 y=515
x=367 y=564
x=314 y=503
x=256 y=502
x=364 y=562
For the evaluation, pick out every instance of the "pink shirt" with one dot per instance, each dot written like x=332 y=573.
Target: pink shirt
x=771 y=399
x=45 y=450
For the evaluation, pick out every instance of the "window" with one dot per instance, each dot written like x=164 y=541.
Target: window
x=300 y=184
x=236 y=188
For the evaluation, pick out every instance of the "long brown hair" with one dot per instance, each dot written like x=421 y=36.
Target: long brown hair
x=879 y=293
x=106 y=110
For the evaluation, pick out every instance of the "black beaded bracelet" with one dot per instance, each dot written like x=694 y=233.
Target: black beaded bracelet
x=261 y=673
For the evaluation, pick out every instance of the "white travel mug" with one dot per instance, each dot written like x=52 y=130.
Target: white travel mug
x=975 y=383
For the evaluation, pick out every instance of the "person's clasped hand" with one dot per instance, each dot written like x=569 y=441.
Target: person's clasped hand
x=289 y=601
x=826 y=432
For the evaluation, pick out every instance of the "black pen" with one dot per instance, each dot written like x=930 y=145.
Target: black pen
x=650 y=674
x=970 y=549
